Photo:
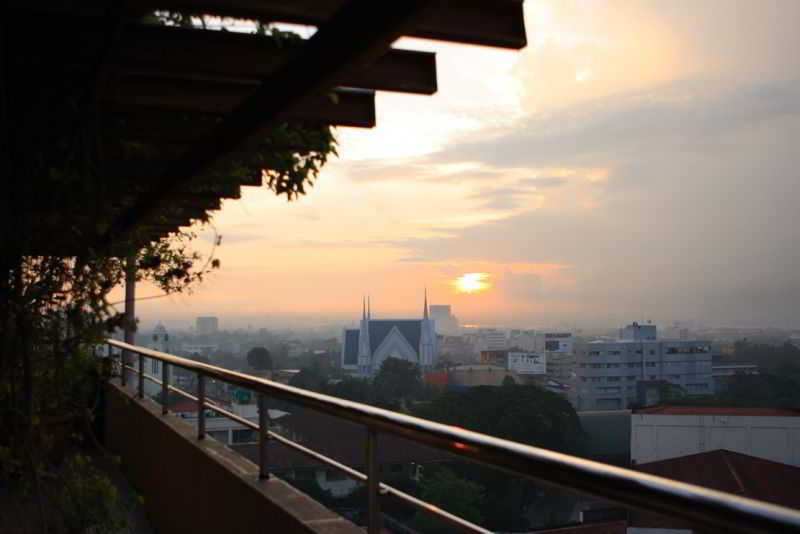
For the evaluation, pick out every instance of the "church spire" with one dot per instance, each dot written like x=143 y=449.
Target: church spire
x=369 y=310
x=363 y=308
x=425 y=310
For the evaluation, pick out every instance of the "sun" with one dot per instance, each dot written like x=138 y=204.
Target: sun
x=472 y=282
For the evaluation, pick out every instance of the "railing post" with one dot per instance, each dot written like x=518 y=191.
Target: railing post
x=373 y=504
x=201 y=406
x=164 y=387
x=263 y=437
x=141 y=377
x=123 y=378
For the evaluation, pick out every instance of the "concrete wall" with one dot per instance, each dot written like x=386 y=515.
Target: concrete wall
x=657 y=437
x=192 y=485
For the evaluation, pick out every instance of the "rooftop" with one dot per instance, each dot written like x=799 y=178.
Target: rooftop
x=717 y=410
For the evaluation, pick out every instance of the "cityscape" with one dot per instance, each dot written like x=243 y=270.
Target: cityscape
x=414 y=267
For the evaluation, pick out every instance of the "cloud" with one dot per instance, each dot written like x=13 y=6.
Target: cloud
x=669 y=117
x=543 y=182
x=699 y=207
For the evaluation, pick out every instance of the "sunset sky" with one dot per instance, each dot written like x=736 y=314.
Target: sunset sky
x=638 y=160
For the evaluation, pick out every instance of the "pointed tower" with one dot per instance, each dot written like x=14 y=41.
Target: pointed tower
x=427 y=338
x=364 y=353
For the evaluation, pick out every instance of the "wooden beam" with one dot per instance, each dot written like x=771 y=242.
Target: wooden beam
x=205 y=54
x=356 y=35
x=483 y=22
x=167 y=127
x=174 y=52
x=342 y=107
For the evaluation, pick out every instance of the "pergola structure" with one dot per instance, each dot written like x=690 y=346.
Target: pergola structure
x=116 y=129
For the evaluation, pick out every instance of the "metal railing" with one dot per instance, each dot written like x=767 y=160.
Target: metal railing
x=700 y=506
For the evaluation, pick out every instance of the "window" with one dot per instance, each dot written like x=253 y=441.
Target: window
x=651 y=364
x=631 y=378
x=612 y=365
x=638 y=351
x=635 y=365
x=652 y=377
x=594 y=353
x=246 y=435
x=583 y=365
x=219 y=435
x=613 y=379
x=615 y=352
x=652 y=352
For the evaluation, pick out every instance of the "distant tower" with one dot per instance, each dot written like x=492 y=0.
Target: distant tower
x=160 y=338
x=364 y=353
x=427 y=341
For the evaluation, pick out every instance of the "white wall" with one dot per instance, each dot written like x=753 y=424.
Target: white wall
x=657 y=437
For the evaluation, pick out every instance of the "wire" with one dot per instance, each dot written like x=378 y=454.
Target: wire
x=217 y=240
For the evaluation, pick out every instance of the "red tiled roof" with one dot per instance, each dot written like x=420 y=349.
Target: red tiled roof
x=728 y=471
x=733 y=472
x=717 y=410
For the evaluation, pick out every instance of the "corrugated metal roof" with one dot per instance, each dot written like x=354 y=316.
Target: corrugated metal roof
x=733 y=472
x=717 y=410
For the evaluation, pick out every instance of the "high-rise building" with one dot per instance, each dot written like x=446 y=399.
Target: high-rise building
x=609 y=371
x=207 y=325
x=446 y=323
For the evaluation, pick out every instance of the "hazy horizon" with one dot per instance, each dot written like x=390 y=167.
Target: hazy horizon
x=636 y=161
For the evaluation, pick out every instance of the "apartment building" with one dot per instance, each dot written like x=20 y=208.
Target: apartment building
x=608 y=371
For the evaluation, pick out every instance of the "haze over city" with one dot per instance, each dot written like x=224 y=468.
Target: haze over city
x=636 y=160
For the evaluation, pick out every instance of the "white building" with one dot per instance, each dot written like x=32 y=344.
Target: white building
x=608 y=371
x=526 y=363
x=226 y=430
x=667 y=432
x=446 y=322
x=364 y=349
x=489 y=339
x=523 y=339
x=206 y=325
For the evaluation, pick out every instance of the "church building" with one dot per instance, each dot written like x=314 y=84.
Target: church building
x=365 y=348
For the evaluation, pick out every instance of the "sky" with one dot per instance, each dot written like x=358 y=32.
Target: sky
x=637 y=160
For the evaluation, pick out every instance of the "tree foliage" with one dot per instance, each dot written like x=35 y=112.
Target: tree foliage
x=524 y=413
x=396 y=381
x=452 y=493
x=259 y=358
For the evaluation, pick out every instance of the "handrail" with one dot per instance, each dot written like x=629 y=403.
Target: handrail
x=349 y=471
x=698 y=505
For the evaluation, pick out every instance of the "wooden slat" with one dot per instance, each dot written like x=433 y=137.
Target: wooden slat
x=345 y=107
x=357 y=35
x=484 y=22
x=176 y=52
x=177 y=128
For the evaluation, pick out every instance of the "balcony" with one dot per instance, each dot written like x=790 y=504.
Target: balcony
x=193 y=483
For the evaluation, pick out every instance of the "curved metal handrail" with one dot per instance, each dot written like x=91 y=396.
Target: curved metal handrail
x=698 y=505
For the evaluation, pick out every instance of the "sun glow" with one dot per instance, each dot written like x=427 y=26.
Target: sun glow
x=472 y=282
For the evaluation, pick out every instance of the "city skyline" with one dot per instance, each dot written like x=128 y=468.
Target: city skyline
x=634 y=161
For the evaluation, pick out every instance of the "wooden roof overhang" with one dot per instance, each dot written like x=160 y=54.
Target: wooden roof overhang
x=200 y=96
